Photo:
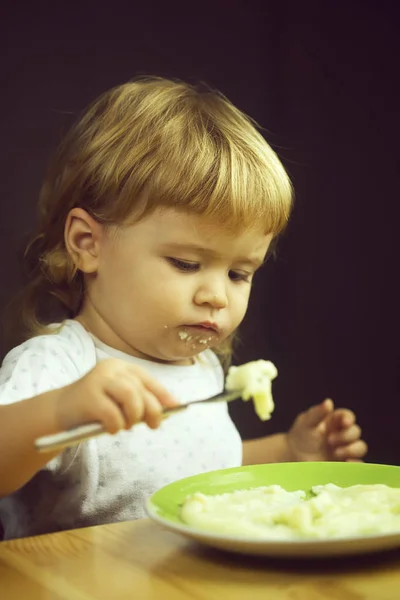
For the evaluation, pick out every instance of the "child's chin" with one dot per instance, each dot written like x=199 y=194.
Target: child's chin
x=185 y=351
x=187 y=357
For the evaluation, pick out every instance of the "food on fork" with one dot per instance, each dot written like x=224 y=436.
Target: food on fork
x=255 y=378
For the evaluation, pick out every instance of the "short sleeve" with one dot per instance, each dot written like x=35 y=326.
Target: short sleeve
x=44 y=363
x=41 y=364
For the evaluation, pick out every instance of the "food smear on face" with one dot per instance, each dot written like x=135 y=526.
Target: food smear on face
x=205 y=340
x=197 y=337
x=255 y=379
x=272 y=513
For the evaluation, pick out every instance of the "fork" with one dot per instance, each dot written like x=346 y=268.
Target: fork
x=76 y=435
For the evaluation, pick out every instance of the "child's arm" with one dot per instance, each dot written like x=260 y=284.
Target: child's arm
x=319 y=434
x=20 y=424
x=269 y=449
x=115 y=393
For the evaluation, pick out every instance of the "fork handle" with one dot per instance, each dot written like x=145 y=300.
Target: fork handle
x=72 y=437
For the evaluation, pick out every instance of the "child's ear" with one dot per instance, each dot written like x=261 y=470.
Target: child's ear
x=83 y=235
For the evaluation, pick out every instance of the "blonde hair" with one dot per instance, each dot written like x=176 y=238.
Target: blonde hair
x=166 y=143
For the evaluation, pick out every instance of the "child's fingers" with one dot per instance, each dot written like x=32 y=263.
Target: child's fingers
x=345 y=436
x=340 y=419
x=356 y=450
x=163 y=396
x=316 y=414
x=153 y=411
x=131 y=396
x=110 y=415
x=126 y=394
x=144 y=405
x=137 y=403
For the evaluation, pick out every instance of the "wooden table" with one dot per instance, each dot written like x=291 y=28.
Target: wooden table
x=139 y=560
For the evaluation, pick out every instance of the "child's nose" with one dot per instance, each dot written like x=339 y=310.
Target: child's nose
x=215 y=298
x=219 y=301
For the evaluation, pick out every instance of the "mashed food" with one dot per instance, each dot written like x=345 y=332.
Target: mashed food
x=254 y=378
x=273 y=513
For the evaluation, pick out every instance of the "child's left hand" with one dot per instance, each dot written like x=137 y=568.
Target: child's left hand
x=325 y=434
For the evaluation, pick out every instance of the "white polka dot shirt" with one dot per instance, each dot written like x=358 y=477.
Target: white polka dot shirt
x=109 y=478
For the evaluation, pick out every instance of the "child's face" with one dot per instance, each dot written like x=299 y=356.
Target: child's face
x=172 y=285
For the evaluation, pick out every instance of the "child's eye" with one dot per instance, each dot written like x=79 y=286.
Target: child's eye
x=239 y=276
x=183 y=265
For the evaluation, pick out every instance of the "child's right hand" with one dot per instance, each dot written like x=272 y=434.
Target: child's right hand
x=116 y=393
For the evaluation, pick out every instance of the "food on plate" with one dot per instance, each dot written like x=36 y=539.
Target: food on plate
x=255 y=379
x=271 y=512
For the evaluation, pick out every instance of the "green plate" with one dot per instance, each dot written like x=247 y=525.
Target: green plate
x=164 y=506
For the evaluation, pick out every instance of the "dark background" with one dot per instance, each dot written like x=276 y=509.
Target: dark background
x=322 y=78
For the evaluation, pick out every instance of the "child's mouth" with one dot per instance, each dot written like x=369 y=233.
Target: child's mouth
x=203 y=328
x=203 y=333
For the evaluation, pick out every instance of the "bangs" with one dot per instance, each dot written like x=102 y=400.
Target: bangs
x=198 y=154
x=230 y=184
